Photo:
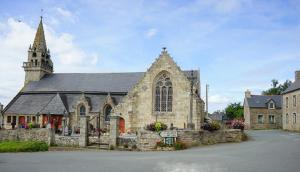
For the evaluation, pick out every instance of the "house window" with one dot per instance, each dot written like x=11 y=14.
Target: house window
x=294 y=100
x=271 y=105
x=28 y=119
x=287 y=118
x=260 y=119
x=287 y=102
x=163 y=94
x=271 y=119
x=294 y=118
x=8 y=120
x=82 y=110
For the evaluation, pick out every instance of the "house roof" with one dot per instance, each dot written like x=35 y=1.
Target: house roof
x=260 y=101
x=88 y=82
x=293 y=87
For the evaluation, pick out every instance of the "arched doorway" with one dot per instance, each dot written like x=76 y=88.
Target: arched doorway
x=107 y=111
x=122 y=125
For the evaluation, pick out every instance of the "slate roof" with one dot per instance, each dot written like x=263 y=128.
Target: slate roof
x=260 y=101
x=42 y=96
x=44 y=103
x=88 y=82
x=54 y=106
x=293 y=87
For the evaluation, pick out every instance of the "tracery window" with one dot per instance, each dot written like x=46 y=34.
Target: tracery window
x=82 y=110
x=163 y=94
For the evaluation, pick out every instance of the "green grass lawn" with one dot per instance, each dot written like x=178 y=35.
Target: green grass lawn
x=23 y=146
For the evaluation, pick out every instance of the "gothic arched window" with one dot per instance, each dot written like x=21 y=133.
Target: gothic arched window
x=82 y=110
x=107 y=111
x=163 y=94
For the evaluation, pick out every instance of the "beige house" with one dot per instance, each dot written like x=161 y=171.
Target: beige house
x=291 y=105
x=163 y=93
x=262 y=111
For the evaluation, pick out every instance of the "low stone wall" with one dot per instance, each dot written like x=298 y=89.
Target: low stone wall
x=35 y=134
x=146 y=140
x=205 y=137
x=67 y=140
x=103 y=139
x=128 y=141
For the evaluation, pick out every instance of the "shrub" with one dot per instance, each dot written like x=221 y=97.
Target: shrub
x=23 y=146
x=214 y=125
x=111 y=147
x=125 y=146
x=156 y=126
x=134 y=147
x=160 y=144
x=238 y=124
x=180 y=146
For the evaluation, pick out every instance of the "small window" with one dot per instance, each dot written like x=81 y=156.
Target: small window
x=271 y=105
x=82 y=110
x=294 y=118
x=294 y=100
x=8 y=119
x=260 y=119
x=287 y=102
x=34 y=54
x=33 y=119
x=287 y=118
x=28 y=119
x=271 y=119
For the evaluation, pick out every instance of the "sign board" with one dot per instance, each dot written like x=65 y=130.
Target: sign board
x=169 y=140
x=168 y=133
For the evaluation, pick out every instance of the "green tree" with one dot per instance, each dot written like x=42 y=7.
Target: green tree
x=277 y=89
x=234 y=110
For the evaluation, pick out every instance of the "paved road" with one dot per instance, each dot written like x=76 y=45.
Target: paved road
x=267 y=151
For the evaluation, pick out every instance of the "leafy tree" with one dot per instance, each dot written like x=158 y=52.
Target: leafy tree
x=234 y=110
x=277 y=89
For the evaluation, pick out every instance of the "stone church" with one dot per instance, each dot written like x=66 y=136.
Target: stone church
x=163 y=93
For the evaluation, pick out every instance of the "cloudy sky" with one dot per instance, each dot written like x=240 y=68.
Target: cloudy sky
x=236 y=44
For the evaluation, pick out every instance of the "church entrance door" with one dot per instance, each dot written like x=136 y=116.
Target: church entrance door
x=122 y=125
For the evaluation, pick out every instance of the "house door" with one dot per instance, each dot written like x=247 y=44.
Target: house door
x=22 y=120
x=122 y=125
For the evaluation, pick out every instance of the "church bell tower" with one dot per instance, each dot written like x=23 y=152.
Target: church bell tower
x=39 y=62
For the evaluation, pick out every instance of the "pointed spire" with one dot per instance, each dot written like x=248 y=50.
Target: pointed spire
x=39 y=40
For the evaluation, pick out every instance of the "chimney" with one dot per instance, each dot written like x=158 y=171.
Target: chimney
x=247 y=94
x=297 y=75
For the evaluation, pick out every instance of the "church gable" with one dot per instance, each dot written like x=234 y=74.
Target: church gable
x=139 y=104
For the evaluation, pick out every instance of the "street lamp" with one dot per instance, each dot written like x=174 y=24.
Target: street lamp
x=2 y=114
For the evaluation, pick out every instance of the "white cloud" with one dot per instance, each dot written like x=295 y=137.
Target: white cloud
x=15 y=39
x=151 y=33
x=65 y=14
x=218 y=99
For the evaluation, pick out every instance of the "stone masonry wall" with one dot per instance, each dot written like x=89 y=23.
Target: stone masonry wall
x=254 y=112
x=41 y=134
x=137 y=107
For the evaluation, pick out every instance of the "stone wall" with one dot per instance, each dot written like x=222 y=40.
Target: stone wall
x=192 y=138
x=103 y=139
x=146 y=140
x=67 y=140
x=41 y=134
x=290 y=110
x=137 y=107
x=130 y=141
x=254 y=112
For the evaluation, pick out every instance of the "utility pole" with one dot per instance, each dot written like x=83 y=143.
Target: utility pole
x=206 y=103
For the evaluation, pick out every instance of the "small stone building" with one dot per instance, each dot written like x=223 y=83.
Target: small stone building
x=163 y=93
x=291 y=105
x=262 y=111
